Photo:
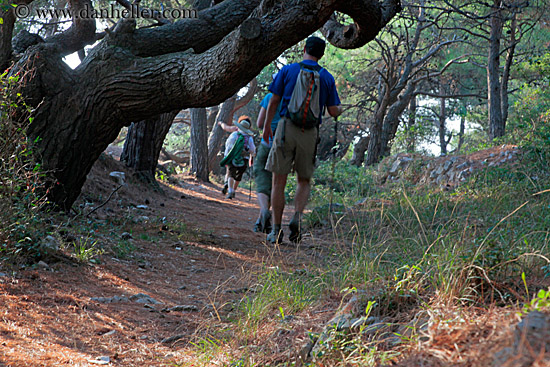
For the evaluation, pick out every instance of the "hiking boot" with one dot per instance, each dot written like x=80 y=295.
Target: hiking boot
x=265 y=222
x=295 y=226
x=230 y=195
x=258 y=226
x=225 y=188
x=275 y=236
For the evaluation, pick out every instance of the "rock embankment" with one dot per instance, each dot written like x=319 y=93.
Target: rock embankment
x=444 y=171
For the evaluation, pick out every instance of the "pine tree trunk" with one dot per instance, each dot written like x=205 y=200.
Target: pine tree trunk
x=496 y=122
x=461 y=133
x=6 y=32
x=506 y=73
x=199 y=144
x=143 y=143
x=359 y=150
x=442 y=126
x=217 y=135
x=411 y=139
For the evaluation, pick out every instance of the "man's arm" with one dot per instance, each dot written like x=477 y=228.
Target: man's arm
x=335 y=111
x=271 y=110
x=226 y=127
x=261 y=118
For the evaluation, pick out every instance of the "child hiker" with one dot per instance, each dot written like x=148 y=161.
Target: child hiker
x=239 y=150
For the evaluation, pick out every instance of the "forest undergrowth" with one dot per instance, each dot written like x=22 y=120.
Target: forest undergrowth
x=478 y=251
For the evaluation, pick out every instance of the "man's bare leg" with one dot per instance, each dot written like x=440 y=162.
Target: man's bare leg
x=278 y=204
x=300 y=201
x=263 y=224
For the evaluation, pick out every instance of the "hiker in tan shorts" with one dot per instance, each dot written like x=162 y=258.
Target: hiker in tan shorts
x=295 y=141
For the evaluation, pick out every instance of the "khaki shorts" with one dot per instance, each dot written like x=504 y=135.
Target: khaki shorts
x=296 y=150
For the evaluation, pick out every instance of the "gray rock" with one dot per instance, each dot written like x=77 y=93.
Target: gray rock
x=141 y=219
x=142 y=207
x=182 y=308
x=172 y=339
x=113 y=299
x=49 y=243
x=375 y=329
x=399 y=164
x=462 y=165
x=447 y=165
x=534 y=331
x=43 y=265
x=144 y=298
x=126 y=236
x=531 y=337
x=118 y=177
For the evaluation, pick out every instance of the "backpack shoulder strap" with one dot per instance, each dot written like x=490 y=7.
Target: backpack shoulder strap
x=316 y=68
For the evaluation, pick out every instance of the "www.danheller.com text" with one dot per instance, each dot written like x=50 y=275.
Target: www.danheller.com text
x=135 y=12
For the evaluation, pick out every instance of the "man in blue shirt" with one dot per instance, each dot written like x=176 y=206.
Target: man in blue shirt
x=295 y=147
x=262 y=177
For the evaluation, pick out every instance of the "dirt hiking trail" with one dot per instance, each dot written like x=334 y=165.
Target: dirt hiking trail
x=192 y=253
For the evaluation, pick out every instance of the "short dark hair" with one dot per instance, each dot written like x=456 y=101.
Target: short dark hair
x=315 y=47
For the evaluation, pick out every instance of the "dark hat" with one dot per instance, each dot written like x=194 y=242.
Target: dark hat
x=315 y=47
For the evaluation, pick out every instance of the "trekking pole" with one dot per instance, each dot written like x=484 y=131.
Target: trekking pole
x=334 y=149
x=250 y=183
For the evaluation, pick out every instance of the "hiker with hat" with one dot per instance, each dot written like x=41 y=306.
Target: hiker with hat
x=239 y=150
x=303 y=90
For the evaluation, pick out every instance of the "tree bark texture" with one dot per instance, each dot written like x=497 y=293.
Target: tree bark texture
x=496 y=122
x=461 y=134
x=199 y=144
x=442 y=119
x=411 y=122
x=143 y=143
x=218 y=134
x=137 y=74
x=6 y=33
x=506 y=73
x=359 y=149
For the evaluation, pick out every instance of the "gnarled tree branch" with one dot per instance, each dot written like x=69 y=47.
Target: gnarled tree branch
x=369 y=18
x=79 y=34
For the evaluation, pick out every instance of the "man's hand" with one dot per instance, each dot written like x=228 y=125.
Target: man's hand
x=335 y=111
x=268 y=133
x=271 y=110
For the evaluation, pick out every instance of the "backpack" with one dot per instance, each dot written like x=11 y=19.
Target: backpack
x=304 y=107
x=235 y=155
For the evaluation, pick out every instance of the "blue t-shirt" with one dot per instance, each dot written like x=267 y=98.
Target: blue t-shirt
x=284 y=83
x=275 y=120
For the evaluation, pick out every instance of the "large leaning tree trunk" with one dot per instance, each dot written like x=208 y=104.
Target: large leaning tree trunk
x=199 y=144
x=135 y=74
x=143 y=143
